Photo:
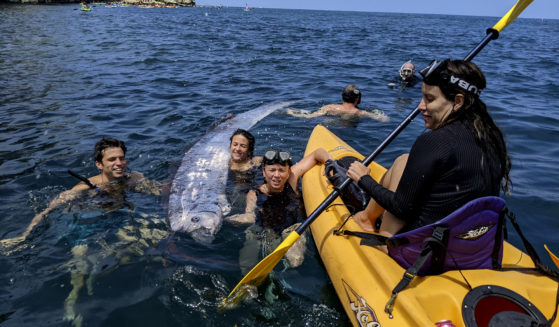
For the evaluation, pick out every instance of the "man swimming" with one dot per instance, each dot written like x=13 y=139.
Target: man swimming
x=109 y=155
x=351 y=96
x=109 y=187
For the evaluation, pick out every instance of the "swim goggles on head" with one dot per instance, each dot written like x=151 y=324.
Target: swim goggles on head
x=277 y=157
x=436 y=74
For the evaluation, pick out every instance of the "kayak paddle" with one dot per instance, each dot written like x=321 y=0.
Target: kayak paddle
x=264 y=267
x=553 y=257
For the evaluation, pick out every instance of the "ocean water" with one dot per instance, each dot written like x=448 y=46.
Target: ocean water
x=159 y=79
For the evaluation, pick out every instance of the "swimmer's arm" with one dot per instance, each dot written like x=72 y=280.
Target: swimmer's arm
x=318 y=156
x=249 y=217
x=376 y=114
x=62 y=198
x=142 y=184
x=257 y=161
x=305 y=114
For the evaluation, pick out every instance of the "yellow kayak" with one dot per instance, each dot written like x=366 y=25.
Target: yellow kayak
x=364 y=277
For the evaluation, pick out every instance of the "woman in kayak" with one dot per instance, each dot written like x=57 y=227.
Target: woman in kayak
x=462 y=157
x=274 y=207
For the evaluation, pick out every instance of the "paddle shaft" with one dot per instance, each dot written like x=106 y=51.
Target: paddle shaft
x=492 y=34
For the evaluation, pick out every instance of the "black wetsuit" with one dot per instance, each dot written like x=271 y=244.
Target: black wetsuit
x=445 y=170
x=277 y=211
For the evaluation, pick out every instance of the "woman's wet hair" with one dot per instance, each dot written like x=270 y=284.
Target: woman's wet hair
x=249 y=137
x=488 y=136
x=106 y=143
x=351 y=93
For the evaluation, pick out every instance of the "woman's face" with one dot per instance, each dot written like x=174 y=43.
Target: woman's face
x=434 y=106
x=276 y=176
x=239 y=148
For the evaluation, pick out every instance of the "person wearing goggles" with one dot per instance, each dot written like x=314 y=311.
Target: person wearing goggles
x=274 y=207
x=407 y=76
x=461 y=157
x=351 y=96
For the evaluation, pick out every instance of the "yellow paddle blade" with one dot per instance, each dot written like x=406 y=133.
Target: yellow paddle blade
x=552 y=256
x=512 y=14
x=258 y=274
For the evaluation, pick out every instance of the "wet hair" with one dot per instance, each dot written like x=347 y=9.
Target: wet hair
x=351 y=93
x=106 y=143
x=488 y=136
x=250 y=139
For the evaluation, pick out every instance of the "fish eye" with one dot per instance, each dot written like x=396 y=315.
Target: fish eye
x=195 y=219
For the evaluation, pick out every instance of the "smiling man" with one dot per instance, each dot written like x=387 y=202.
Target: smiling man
x=113 y=180
x=109 y=187
x=110 y=160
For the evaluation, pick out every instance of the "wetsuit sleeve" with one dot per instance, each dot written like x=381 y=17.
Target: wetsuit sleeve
x=425 y=159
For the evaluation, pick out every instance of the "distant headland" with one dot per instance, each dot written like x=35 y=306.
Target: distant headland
x=184 y=3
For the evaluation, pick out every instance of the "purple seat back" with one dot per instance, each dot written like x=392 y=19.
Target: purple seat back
x=472 y=237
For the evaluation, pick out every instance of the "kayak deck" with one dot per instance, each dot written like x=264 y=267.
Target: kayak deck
x=364 y=277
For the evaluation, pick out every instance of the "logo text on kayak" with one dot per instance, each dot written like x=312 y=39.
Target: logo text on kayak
x=364 y=314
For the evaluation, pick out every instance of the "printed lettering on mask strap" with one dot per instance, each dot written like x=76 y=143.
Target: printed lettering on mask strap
x=464 y=85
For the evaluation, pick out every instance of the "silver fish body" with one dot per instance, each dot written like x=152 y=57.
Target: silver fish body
x=197 y=202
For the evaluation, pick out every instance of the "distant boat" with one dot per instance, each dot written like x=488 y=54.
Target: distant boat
x=247 y=8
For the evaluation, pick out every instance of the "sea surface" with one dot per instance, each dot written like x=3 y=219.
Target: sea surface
x=159 y=79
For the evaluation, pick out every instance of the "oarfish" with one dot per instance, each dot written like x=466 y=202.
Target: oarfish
x=197 y=202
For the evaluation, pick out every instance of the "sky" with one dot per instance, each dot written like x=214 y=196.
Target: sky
x=495 y=8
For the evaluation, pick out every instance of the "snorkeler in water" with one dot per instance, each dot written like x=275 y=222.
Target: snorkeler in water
x=407 y=77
